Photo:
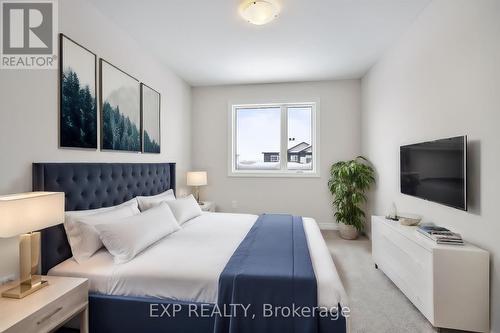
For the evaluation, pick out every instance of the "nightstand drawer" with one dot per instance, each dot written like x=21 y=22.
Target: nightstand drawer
x=49 y=312
x=54 y=314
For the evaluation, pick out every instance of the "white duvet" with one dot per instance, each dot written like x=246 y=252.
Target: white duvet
x=186 y=264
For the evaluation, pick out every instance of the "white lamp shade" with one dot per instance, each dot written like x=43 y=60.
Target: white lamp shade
x=197 y=178
x=27 y=212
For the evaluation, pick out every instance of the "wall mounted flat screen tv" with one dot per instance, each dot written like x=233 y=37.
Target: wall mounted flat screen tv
x=436 y=171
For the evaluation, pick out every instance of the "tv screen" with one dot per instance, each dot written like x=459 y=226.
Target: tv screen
x=436 y=171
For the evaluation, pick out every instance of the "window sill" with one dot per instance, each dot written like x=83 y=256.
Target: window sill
x=278 y=174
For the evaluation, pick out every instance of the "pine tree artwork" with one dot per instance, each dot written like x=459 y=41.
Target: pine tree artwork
x=150 y=103
x=78 y=105
x=120 y=110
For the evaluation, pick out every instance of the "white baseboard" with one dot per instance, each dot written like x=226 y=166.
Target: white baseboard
x=328 y=226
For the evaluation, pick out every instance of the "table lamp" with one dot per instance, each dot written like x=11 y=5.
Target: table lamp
x=197 y=179
x=22 y=214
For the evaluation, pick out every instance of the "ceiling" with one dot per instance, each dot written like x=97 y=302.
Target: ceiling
x=206 y=42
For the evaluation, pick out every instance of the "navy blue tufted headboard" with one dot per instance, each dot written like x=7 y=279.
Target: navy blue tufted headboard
x=91 y=186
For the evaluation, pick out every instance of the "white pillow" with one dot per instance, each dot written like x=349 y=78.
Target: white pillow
x=185 y=209
x=82 y=236
x=146 y=203
x=134 y=234
x=73 y=215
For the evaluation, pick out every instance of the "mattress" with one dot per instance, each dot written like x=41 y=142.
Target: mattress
x=186 y=265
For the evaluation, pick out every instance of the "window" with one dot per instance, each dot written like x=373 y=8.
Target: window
x=273 y=140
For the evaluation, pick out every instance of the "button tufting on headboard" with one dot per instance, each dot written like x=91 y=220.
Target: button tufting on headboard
x=91 y=186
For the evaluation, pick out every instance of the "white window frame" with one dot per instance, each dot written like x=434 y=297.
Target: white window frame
x=283 y=171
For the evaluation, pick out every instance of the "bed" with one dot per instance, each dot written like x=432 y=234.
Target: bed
x=179 y=271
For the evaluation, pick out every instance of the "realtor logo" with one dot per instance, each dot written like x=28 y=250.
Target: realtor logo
x=28 y=34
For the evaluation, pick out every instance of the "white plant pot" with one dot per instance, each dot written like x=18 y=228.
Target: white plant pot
x=348 y=231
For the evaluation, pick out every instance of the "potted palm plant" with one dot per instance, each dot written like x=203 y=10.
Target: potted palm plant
x=349 y=180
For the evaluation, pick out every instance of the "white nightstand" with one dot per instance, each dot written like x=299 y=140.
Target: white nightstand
x=208 y=206
x=48 y=308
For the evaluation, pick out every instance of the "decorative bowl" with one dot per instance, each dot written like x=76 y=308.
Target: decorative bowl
x=409 y=219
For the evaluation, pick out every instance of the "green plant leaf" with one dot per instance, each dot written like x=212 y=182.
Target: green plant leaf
x=349 y=180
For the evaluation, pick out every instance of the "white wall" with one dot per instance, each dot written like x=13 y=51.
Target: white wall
x=340 y=139
x=29 y=110
x=442 y=79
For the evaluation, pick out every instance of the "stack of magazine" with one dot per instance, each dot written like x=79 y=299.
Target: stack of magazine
x=440 y=235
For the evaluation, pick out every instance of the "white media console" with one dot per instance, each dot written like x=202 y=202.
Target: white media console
x=449 y=284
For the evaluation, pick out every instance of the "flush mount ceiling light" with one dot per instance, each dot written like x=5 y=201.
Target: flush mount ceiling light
x=259 y=12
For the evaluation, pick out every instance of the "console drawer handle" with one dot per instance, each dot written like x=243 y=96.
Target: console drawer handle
x=49 y=315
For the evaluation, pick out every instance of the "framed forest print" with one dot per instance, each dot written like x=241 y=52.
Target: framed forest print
x=120 y=110
x=78 y=104
x=150 y=106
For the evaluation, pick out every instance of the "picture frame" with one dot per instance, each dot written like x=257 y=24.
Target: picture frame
x=121 y=116
x=78 y=125
x=151 y=120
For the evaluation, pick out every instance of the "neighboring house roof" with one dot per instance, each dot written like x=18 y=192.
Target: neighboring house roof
x=298 y=148
x=301 y=147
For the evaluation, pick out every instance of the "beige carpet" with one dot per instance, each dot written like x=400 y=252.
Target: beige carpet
x=376 y=303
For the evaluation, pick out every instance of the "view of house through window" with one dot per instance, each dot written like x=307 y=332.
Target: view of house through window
x=260 y=138
x=257 y=133
x=300 y=138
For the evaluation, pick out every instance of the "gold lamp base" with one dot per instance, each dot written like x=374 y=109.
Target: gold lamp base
x=29 y=251
x=24 y=289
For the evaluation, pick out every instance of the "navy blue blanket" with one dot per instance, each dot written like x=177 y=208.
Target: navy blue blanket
x=270 y=271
